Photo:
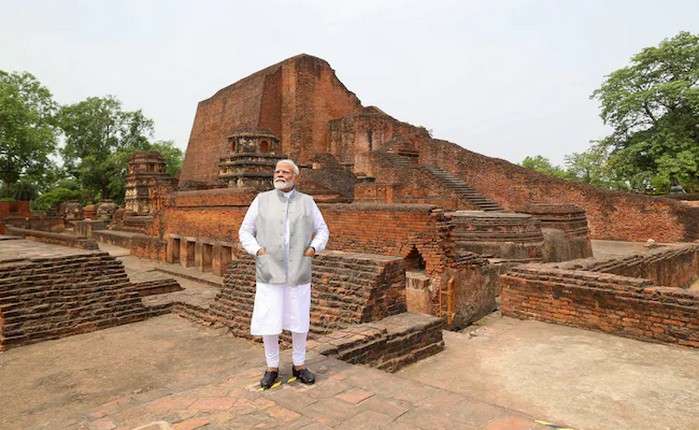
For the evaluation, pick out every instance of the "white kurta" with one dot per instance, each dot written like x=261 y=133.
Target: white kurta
x=280 y=307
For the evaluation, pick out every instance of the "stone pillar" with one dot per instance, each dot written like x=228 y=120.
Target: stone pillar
x=417 y=292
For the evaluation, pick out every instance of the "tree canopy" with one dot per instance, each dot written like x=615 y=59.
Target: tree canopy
x=543 y=165
x=28 y=136
x=97 y=138
x=96 y=131
x=653 y=107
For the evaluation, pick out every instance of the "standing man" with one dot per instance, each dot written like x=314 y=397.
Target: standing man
x=284 y=229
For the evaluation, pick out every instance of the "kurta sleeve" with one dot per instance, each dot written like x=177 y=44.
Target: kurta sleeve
x=248 y=229
x=320 y=229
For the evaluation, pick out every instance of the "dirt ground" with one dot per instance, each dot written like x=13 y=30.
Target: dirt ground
x=586 y=379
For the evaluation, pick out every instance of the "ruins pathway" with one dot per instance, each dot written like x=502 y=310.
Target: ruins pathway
x=167 y=370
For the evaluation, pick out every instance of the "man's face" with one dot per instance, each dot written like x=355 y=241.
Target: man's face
x=284 y=177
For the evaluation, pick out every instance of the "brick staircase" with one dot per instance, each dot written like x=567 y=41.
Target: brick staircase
x=447 y=180
x=458 y=186
x=401 y=160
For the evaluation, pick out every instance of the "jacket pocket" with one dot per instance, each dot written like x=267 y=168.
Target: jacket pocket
x=262 y=273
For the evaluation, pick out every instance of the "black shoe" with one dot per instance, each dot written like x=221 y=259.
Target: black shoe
x=304 y=375
x=268 y=379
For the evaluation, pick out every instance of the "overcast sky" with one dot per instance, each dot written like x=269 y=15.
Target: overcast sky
x=506 y=79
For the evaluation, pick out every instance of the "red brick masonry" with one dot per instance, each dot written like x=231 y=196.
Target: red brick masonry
x=627 y=306
x=54 y=297
x=388 y=344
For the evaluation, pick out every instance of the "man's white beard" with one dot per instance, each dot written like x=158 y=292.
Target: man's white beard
x=281 y=184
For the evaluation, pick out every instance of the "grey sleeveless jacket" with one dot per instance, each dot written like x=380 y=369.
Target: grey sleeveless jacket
x=277 y=267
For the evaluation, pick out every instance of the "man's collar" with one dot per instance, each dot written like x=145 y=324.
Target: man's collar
x=286 y=194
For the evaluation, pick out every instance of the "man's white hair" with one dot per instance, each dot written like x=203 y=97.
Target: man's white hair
x=293 y=165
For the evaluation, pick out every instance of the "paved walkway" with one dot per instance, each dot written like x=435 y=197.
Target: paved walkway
x=200 y=288
x=168 y=373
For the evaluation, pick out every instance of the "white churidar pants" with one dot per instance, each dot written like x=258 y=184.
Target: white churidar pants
x=277 y=308
x=298 y=351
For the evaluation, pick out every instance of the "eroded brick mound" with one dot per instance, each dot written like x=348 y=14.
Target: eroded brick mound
x=569 y=218
x=277 y=99
x=565 y=230
x=50 y=298
x=588 y=296
x=348 y=288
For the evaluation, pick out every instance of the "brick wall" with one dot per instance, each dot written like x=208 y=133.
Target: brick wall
x=626 y=306
x=395 y=230
x=50 y=298
x=674 y=267
x=53 y=238
x=611 y=215
x=15 y=208
x=390 y=230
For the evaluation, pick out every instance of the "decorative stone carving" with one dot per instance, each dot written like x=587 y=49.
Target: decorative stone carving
x=250 y=164
x=146 y=180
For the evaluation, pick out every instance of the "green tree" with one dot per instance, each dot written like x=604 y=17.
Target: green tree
x=65 y=189
x=96 y=130
x=592 y=167
x=543 y=165
x=653 y=107
x=27 y=133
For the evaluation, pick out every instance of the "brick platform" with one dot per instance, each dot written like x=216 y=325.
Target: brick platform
x=586 y=295
x=388 y=344
x=64 y=239
x=53 y=297
x=49 y=292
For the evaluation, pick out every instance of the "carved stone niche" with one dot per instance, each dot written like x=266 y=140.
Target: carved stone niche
x=251 y=160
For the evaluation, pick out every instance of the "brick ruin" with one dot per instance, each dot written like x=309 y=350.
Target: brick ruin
x=644 y=297
x=145 y=180
x=48 y=296
x=417 y=224
x=13 y=212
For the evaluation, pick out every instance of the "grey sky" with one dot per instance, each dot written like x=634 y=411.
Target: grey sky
x=506 y=79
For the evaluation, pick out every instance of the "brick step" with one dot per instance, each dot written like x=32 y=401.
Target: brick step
x=58 y=318
x=395 y=364
x=191 y=277
x=70 y=327
x=41 y=293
